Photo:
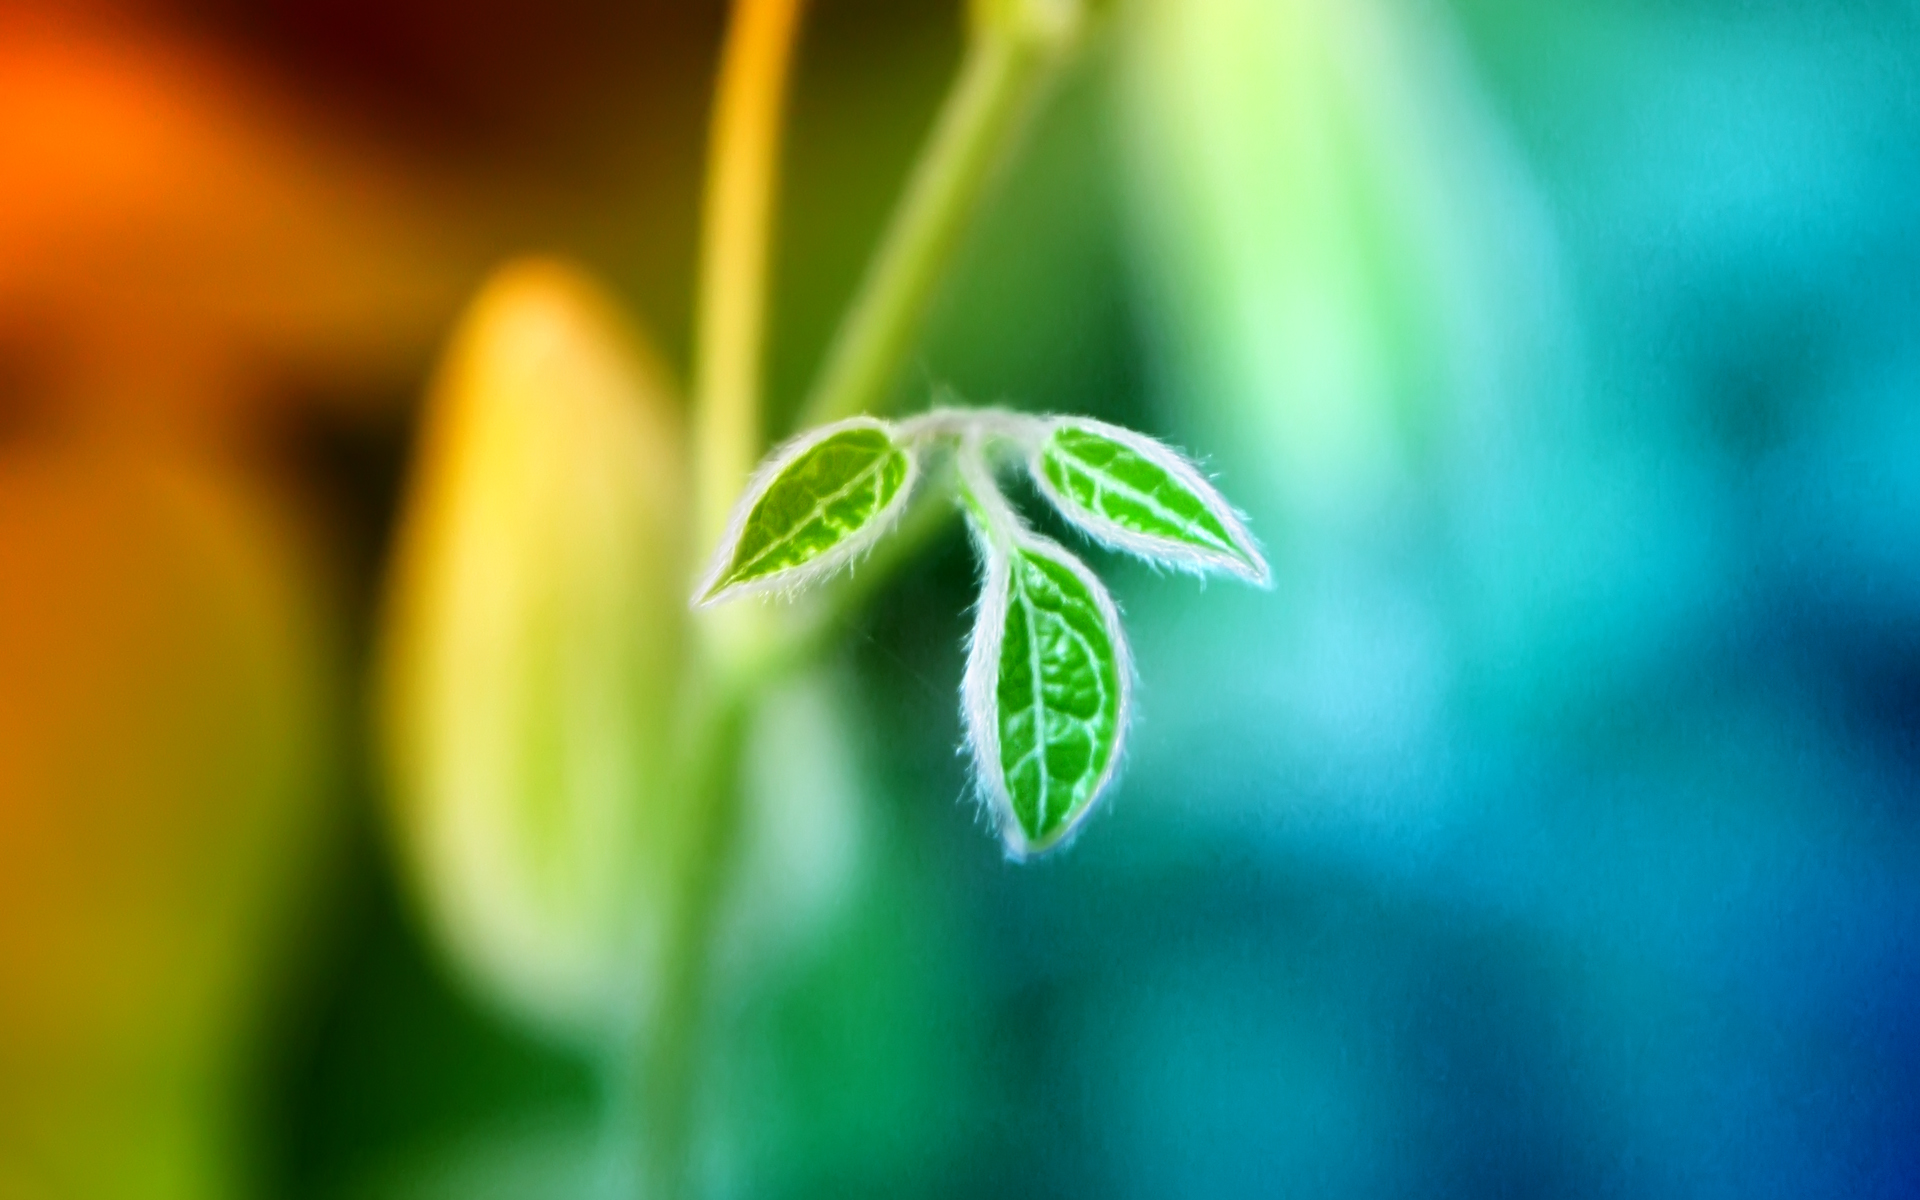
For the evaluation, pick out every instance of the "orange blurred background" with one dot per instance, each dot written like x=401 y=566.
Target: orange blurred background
x=230 y=239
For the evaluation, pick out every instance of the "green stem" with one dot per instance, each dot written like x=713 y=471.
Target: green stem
x=738 y=650
x=669 y=1092
x=998 y=83
x=999 y=524
x=727 y=438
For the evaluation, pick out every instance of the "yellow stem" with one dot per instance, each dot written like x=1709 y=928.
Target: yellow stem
x=730 y=315
x=743 y=165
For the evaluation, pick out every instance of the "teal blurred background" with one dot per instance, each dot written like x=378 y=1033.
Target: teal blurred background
x=1552 y=828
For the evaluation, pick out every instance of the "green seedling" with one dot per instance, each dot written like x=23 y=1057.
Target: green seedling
x=1048 y=684
x=564 y=739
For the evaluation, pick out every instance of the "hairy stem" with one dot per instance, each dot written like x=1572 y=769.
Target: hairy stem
x=1019 y=429
x=998 y=82
x=980 y=492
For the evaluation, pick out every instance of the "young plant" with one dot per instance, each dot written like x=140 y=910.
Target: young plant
x=563 y=738
x=1048 y=683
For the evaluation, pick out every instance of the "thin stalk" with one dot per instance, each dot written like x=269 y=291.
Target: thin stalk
x=998 y=83
x=1022 y=430
x=669 y=1093
x=743 y=167
x=728 y=436
x=998 y=523
x=738 y=648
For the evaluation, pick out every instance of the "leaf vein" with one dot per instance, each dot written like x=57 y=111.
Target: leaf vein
x=1038 y=708
x=821 y=505
x=1105 y=482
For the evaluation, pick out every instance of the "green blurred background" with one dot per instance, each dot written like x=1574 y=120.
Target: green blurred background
x=1552 y=828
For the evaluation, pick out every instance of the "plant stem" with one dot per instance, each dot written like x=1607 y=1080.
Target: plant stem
x=736 y=648
x=736 y=228
x=727 y=439
x=669 y=1091
x=1022 y=430
x=999 y=524
x=998 y=83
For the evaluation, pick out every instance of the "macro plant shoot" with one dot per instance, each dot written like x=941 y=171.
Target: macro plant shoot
x=1049 y=678
x=565 y=709
x=824 y=599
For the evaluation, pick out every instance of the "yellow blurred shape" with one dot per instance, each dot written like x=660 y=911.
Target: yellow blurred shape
x=531 y=660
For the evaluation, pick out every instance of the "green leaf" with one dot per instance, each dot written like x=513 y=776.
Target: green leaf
x=1134 y=494
x=1046 y=692
x=817 y=505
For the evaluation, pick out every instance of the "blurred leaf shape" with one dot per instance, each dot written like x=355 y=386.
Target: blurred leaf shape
x=1356 y=294
x=804 y=792
x=166 y=722
x=532 y=651
x=1343 y=252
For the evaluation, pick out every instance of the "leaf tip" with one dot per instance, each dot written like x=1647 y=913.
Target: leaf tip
x=1251 y=566
x=1022 y=848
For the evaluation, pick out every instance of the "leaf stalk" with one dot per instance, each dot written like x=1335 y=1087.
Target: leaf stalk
x=727 y=440
x=1000 y=79
x=1006 y=63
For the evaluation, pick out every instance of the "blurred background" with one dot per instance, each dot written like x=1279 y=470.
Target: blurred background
x=1552 y=828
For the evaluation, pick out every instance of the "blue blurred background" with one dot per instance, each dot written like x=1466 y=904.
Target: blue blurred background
x=1552 y=828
